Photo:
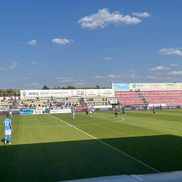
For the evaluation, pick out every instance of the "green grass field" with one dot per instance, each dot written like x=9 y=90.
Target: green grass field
x=56 y=147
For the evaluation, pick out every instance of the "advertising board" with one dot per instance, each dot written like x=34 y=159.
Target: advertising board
x=60 y=111
x=26 y=111
x=146 y=86
x=120 y=86
x=65 y=93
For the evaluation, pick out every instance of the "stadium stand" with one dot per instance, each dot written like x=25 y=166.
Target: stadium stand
x=96 y=101
x=167 y=97
x=136 y=95
x=149 y=94
x=150 y=97
x=128 y=98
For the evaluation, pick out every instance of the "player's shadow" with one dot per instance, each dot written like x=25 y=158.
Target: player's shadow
x=89 y=158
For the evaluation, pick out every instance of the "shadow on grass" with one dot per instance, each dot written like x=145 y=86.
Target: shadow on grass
x=89 y=158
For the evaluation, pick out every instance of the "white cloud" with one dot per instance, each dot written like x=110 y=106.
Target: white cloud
x=80 y=83
x=141 y=14
x=107 y=58
x=175 y=73
x=171 y=51
x=174 y=65
x=99 y=76
x=159 y=68
x=71 y=81
x=61 y=41
x=24 y=78
x=133 y=76
x=168 y=78
x=32 y=42
x=65 y=79
x=109 y=76
x=13 y=66
x=104 y=17
x=34 y=85
x=113 y=77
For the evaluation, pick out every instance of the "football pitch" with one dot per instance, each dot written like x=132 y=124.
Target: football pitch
x=57 y=147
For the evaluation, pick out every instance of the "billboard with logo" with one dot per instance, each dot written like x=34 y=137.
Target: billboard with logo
x=146 y=86
x=120 y=86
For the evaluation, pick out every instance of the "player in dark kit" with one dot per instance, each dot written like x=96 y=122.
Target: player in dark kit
x=115 y=112
x=86 y=111
x=123 y=110
x=153 y=109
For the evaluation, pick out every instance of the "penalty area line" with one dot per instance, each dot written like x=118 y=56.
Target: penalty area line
x=108 y=145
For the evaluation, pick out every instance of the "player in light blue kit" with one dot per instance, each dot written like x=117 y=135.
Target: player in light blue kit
x=7 y=129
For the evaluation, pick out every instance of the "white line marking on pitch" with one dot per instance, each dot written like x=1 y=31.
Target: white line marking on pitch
x=110 y=146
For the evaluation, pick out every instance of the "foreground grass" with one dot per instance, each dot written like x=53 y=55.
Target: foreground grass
x=45 y=148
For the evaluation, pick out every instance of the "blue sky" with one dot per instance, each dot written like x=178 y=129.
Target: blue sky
x=89 y=42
